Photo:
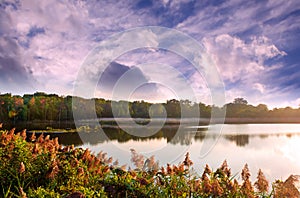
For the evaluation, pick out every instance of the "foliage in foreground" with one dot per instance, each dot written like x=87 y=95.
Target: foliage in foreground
x=43 y=168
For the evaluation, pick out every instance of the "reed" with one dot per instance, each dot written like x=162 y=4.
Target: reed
x=40 y=167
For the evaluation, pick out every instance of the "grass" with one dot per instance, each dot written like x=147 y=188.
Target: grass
x=43 y=168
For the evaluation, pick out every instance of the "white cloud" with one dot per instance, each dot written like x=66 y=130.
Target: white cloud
x=260 y=87
x=242 y=18
x=175 y=81
x=54 y=55
x=238 y=60
x=262 y=48
x=233 y=93
x=294 y=103
x=169 y=69
x=73 y=28
x=242 y=63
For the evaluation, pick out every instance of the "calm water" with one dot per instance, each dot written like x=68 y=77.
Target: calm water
x=275 y=148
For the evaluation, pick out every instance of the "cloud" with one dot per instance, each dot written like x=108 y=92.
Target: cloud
x=259 y=87
x=45 y=42
x=14 y=76
x=121 y=82
x=297 y=102
x=114 y=73
x=169 y=70
x=257 y=46
x=243 y=19
x=242 y=64
x=52 y=38
x=237 y=59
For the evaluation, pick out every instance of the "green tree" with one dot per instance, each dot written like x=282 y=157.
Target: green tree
x=240 y=101
x=173 y=108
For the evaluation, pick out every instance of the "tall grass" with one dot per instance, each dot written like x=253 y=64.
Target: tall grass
x=43 y=168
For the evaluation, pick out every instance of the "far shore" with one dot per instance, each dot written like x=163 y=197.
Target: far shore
x=263 y=120
x=69 y=126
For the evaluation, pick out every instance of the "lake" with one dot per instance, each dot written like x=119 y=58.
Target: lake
x=275 y=148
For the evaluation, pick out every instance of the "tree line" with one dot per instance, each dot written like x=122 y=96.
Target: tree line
x=51 y=107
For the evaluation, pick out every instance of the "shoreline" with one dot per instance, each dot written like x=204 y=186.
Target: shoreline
x=69 y=126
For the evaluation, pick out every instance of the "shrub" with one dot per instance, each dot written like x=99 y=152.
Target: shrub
x=43 y=168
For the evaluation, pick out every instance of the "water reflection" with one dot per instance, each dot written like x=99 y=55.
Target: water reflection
x=170 y=134
x=271 y=147
x=240 y=140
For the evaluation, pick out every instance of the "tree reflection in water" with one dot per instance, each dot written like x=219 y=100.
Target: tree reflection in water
x=169 y=134
x=240 y=140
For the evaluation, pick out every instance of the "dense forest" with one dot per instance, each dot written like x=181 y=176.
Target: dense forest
x=51 y=107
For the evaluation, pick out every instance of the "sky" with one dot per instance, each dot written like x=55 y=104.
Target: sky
x=253 y=44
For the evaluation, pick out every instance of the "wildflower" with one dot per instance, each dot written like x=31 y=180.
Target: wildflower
x=12 y=132
x=40 y=138
x=110 y=160
x=261 y=184
x=75 y=163
x=86 y=155
x=47 y=138
x=56 y=144
x=216 y=188
x=245 y=173
x=91 y=160
x=96 y=162
x=207 y=171
x=151 y=164
x=33 y=137
x=163 y=171
x=123 y=167
x=197 y=185
x=80 y=171
x=104 y=156
x=280 y=189
x=159 y=180
x=16 y=136
x=105 y=169
x=169 y=169
x=175 y=169
x=22 y=168
x=53 y=172
x=74 y=152
x=225 y=169
x=187 y=161
x=206 y=185
x=137 y=159
x=235 y=186
x=36 y=148
x=133 y=174
x=66 y=149
x=22 y=193
x=247 y=189
x=99 y=155
x=23 y=134
x=116 y=163
x=143 y=181
x=181 y=169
